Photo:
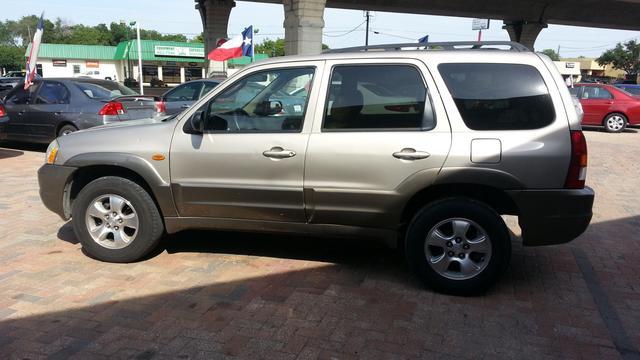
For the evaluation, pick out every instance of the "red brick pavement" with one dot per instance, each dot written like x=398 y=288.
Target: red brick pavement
x=227 y=295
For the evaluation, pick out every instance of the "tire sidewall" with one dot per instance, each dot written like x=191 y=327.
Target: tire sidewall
x=606 y=121
x=65 y=127
x=485 y=217
x=148 y=216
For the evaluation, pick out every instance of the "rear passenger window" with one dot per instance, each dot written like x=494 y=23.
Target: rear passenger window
x=595 y=92
x=377 y=97
x=499 y=96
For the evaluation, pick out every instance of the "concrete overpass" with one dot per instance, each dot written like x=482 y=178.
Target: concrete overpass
x=524 y=19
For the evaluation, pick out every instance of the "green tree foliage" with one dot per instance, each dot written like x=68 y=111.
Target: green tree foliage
x=625 y=57
x=11 y=57
x=275 y=47
x=551 y=54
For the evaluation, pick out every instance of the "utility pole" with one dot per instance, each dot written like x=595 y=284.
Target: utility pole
x=366 y=37
x=558 y=51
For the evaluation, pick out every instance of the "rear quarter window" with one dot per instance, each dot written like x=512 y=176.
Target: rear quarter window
x=499 y=96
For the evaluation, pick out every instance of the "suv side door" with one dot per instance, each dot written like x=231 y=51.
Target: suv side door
x=381 y=136
x=249 y=163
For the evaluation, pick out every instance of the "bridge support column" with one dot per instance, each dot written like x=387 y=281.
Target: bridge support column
x=524 y=32
x=303 y=24
x=215 y=19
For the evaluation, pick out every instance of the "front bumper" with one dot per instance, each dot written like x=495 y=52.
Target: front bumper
x=549 y=217
x=54 y=181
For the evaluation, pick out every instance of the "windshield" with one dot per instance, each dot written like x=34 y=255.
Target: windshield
x=104 y=90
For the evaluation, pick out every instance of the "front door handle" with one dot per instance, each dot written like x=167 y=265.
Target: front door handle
x=21 y=112
x=410 y=154
x=185 y=106
x=57 y=113
x=279 y=153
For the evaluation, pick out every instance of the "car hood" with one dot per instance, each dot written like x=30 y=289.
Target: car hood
x=138 y=137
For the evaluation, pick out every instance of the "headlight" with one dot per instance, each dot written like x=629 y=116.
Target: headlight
x=52 y=152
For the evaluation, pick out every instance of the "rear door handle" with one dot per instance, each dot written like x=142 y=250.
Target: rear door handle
x=279 y=153
x=21 y=112
x=185 y=106
x=410 y=154
x=57 y=113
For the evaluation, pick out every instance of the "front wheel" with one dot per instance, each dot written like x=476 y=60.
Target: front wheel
x=615 y=123
x=116 y=220
x=66 y=130
x=458 y=246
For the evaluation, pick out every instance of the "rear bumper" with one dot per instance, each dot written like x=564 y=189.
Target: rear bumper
x=549 y=217
x=53 y=181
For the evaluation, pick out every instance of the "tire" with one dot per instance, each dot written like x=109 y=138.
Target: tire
x=615 y=123
x=431 y=239
x=128 y=238
x=66 y=130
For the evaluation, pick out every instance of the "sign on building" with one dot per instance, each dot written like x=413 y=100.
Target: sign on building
x=178 y=51
x=92 y=64
x=59 y=63
x=480 y=24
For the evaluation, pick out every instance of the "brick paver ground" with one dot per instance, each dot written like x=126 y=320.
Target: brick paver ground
x=227 y=295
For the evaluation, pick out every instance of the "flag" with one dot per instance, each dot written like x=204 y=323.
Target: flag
x=424 y=39
x=241 y=45
x=33 y=54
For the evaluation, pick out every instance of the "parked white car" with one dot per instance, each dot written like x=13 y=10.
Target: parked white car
x=97 y=74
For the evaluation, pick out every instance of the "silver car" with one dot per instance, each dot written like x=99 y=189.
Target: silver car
x=421 y=148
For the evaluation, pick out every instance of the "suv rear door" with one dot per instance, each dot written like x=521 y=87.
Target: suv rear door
x=249 y=163
x=380 y=127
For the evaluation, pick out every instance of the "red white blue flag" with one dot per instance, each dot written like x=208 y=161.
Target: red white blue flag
x=241 y=45
x=33 y=54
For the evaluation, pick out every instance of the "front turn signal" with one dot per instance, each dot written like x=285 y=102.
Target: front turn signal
x=52 y=152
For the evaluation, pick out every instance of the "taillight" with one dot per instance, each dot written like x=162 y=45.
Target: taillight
x=161 y=107
x=112 y=108
x=578 y=166
x=3 y=112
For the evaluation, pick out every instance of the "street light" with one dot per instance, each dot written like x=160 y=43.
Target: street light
x=139 y=55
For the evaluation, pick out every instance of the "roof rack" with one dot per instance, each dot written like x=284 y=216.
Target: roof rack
x=451 y=45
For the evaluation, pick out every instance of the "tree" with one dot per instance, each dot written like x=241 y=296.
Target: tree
x=12 y=57
x=275 y=47
x=625 y=57
x=551 y=54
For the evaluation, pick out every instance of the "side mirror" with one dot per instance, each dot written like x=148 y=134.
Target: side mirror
x=267 y=108
x=195 y=125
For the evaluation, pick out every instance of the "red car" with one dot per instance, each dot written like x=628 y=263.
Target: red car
x=608 y=106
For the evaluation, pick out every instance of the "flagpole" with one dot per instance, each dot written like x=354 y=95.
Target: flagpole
x=139 y=58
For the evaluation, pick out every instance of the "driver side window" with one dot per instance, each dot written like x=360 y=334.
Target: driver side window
x=266 y=101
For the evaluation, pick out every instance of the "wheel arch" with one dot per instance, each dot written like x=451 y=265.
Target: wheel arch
x=93 y=166
x=614 y=112
x=63 y=123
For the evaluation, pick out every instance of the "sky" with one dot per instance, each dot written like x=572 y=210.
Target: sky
x=342 y=27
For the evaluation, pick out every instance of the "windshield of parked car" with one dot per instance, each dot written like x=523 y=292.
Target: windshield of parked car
x=104 y=90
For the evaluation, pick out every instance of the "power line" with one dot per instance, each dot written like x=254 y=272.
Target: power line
x=348 y=32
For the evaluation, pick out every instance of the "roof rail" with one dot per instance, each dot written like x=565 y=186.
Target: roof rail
x=451 y=45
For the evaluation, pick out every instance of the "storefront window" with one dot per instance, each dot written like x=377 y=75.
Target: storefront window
x=149 y=72
x=171 y=74
x=192 y=73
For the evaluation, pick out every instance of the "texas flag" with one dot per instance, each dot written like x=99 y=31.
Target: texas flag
x=33 y=53
x=241 y=45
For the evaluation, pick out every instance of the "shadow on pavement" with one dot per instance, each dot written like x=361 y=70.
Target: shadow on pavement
x=7 y=153
x=358 y=300
x=24 y=146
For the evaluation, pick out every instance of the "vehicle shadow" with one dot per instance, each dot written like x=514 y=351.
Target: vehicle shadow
x=365 y=293
x=8 y=153
x=24 y=146
x=65 y=233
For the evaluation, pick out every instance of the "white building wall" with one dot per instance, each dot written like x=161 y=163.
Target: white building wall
x=108 y=68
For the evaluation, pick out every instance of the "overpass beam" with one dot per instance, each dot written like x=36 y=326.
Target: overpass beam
x=215 y=20
x=524 y=32
x=303 y=24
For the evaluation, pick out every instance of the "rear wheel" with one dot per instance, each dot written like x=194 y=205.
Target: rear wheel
x=116 y=220
x=458 y=246
x=615 y=123
x=66 y=130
